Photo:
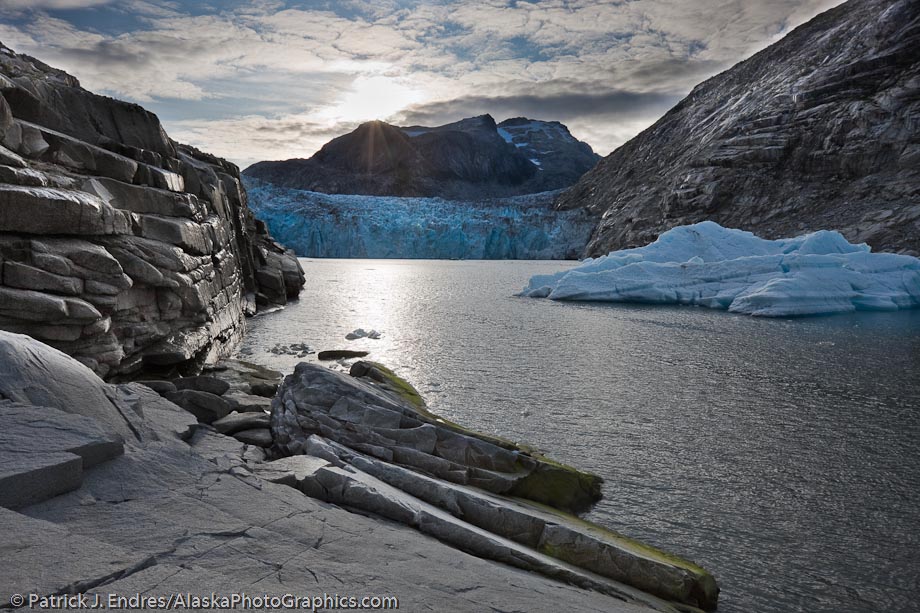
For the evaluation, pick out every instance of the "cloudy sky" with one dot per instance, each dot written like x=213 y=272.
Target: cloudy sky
x=275 y=79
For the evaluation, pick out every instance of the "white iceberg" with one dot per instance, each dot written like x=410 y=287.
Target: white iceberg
x=708 y=265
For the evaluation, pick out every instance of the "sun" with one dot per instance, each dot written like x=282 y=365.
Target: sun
x=375 y=97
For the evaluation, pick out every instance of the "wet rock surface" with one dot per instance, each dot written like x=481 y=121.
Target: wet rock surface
x=817 y=131
x=117 y=245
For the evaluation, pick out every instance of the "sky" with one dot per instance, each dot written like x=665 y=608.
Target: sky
x=276 y=79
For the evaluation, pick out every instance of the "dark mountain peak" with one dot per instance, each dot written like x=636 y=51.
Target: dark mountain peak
x=374 y=146
x=469 y=158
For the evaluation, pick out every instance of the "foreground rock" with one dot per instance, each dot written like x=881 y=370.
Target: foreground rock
x=383 y=416
x=376 y=448
x=337 y=354
x=182 y=510
x=817 y=131
x=117 y=245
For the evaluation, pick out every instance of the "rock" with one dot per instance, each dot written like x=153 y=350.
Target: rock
x=355 y=489
x=268 y=390
x=203 y=405
x=37 y=430
x=202 y=383
x=234 y=422
x=34 y=373
x=30 y=478
x=160 y=387
x=241 y=402
x=260 y=437
x=335 y=354
x=140 y=254
x=16 y=274
x=792 y=140
x=43 y=452
x=564 y=537
x=57 y=211
x=362 y=412
x=79 y=561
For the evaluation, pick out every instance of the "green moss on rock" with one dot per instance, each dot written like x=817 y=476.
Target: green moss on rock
x=551 y=482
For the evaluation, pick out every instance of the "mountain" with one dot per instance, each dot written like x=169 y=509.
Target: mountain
x=472 y=158
x=119 y=246
x=820 y=130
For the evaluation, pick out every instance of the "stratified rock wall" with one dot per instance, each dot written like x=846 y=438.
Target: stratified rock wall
x=117 y=245
x=821 y=130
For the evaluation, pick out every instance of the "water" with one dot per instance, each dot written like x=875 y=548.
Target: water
x=781 y=454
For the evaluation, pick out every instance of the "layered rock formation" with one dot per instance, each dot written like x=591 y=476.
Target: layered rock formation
x=128 y=495
x=369 y=442
x=469 y=159
x=117 y=245
x=817 y=131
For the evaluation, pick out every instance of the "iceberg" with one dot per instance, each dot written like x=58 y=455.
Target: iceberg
x=355 y=226
x=707 y=265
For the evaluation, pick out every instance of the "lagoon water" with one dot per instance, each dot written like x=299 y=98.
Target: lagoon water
x=781 y=454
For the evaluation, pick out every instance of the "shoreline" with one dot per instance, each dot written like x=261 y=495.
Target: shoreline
x=171 y=447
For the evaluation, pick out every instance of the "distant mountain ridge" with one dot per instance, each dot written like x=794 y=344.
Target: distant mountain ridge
x=471 y=158
x=820 y=130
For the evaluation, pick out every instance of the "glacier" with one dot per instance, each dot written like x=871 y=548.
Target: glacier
x=707 y=265
x=354 y=226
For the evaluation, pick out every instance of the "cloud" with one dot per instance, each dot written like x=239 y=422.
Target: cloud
x=250 y=139
x=37 y=5
x=242 y=69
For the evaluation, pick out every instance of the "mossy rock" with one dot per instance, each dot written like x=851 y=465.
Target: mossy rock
x=696 y=589
x=551 y=483
x=559 y=486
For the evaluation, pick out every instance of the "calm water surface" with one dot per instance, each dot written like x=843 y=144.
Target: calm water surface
x=781 y=454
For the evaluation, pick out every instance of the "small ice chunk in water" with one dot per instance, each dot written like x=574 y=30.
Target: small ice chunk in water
x=362 y=333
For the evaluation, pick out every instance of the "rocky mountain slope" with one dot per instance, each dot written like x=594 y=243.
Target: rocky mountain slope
x=821 y=130
x=117 y=245
x=472 y=158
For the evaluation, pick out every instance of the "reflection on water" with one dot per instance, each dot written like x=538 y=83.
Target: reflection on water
x=782 y=454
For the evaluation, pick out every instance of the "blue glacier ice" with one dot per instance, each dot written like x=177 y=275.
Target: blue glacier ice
x=707 y=265
x=351 y=226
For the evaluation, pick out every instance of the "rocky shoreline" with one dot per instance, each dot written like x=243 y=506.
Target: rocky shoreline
x=347 y=483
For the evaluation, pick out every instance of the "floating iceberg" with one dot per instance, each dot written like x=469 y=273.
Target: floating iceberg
x=708 y=265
